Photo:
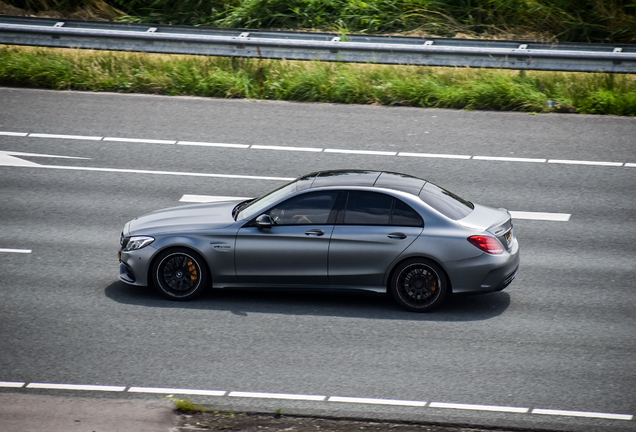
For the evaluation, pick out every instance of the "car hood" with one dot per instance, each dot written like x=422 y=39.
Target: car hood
x=487 y=219
x=191 y=217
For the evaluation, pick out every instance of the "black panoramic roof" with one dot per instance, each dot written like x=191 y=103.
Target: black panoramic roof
x=379 y=179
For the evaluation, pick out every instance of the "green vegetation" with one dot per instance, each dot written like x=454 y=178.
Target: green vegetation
x=476 y=89
x=611 y=21
x=187 y=406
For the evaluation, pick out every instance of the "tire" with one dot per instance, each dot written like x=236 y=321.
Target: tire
x=179 y=274
x=419 y=285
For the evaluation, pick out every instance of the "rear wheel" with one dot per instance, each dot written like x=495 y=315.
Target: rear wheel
x=179 y=274
x=419 y=285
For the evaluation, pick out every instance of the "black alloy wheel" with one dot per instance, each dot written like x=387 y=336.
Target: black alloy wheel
x=419 y=285
x=179 y=274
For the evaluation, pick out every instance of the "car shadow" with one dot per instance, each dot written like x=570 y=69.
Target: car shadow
x=350 y=304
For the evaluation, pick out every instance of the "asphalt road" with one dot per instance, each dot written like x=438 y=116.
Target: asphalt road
x=562 y=337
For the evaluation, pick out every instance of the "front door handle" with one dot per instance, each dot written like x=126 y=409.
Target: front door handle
x=315 y=232
x=397 y=235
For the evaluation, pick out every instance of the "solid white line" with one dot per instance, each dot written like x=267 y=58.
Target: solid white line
x=579 y=162
x=76 y=387
x=140 y=140
x=376 y=401
x=302 y=149
x=277 y=396
x=11 y=384
x=208 y=198
x=73 y=137
x=479 y=407
x=174 y=173
x=631 y=165
x=176 y=391
x=17 y=154
x=18 y=134
x=434 y=155
x=206 y=144
x=362 y=152
x=20 y=251
x=508 y=159
x=557 y=217
x=583 y=414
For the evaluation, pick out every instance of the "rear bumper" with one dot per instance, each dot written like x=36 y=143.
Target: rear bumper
x=485 y=273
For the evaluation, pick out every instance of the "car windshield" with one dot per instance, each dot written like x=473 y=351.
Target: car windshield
x=257 y=206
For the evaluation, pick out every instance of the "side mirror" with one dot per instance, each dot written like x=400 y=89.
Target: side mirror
x=264 y=221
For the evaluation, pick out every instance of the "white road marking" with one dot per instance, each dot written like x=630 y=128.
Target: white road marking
x=557 y=217
x=206 y=144
x=508 y=159
x=16 y=134
x=71 y=137
x=479 y=407
x=316 y=398
x=140 y=140
x=361 y=152
x=315 y=149
x=20 y=251
x=11 y=384
x=302 y=149
x=583 y=414
x=580 y=162
x=168 y=391
x=76 y=387
x=434 y=155
x=173 y=173
x=373 y=401
x=277 y=396
x=208 y=198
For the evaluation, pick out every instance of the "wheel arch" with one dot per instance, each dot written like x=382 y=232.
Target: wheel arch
x=179 y=246
x=403 y=259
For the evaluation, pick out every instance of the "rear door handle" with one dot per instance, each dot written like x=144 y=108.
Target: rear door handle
x=397 y=235
x=315 y=232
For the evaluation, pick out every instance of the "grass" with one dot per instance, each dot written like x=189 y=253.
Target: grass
x=458 y=88
x=187 y=406
x=610 y=21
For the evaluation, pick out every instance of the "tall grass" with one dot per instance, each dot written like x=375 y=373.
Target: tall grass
x=612 y=21
x=460 y=88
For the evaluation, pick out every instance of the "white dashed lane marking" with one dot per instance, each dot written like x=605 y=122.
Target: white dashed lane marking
x=18 y=251
x=318 y=149
x=316 y=398
x=558 y=217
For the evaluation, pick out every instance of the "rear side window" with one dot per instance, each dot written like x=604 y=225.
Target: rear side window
x=370 y=208
x=446 y=202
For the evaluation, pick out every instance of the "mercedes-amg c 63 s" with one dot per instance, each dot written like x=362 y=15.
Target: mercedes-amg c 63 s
x=352 y=229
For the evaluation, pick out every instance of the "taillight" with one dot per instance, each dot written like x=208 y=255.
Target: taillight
x=487 y=244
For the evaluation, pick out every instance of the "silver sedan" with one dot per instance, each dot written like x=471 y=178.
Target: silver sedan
x=369 y=230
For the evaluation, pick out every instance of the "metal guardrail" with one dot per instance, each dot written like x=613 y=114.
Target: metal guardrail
x=402 y=50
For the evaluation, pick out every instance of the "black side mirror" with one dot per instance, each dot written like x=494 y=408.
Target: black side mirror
x=264 y=221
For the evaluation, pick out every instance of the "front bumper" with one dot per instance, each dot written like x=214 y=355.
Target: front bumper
x=134 y=265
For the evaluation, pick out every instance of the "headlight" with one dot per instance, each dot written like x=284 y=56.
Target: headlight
x=137 y=242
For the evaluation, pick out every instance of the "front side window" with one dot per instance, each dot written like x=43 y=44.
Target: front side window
x=307 y=209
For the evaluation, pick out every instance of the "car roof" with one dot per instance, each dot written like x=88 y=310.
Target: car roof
x=346 y=178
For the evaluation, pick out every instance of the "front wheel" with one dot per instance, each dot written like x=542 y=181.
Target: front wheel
x=419 y=285
x=179 y=274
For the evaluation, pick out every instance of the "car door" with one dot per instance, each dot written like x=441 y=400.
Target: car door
x=371 y=232
x=294 y=251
